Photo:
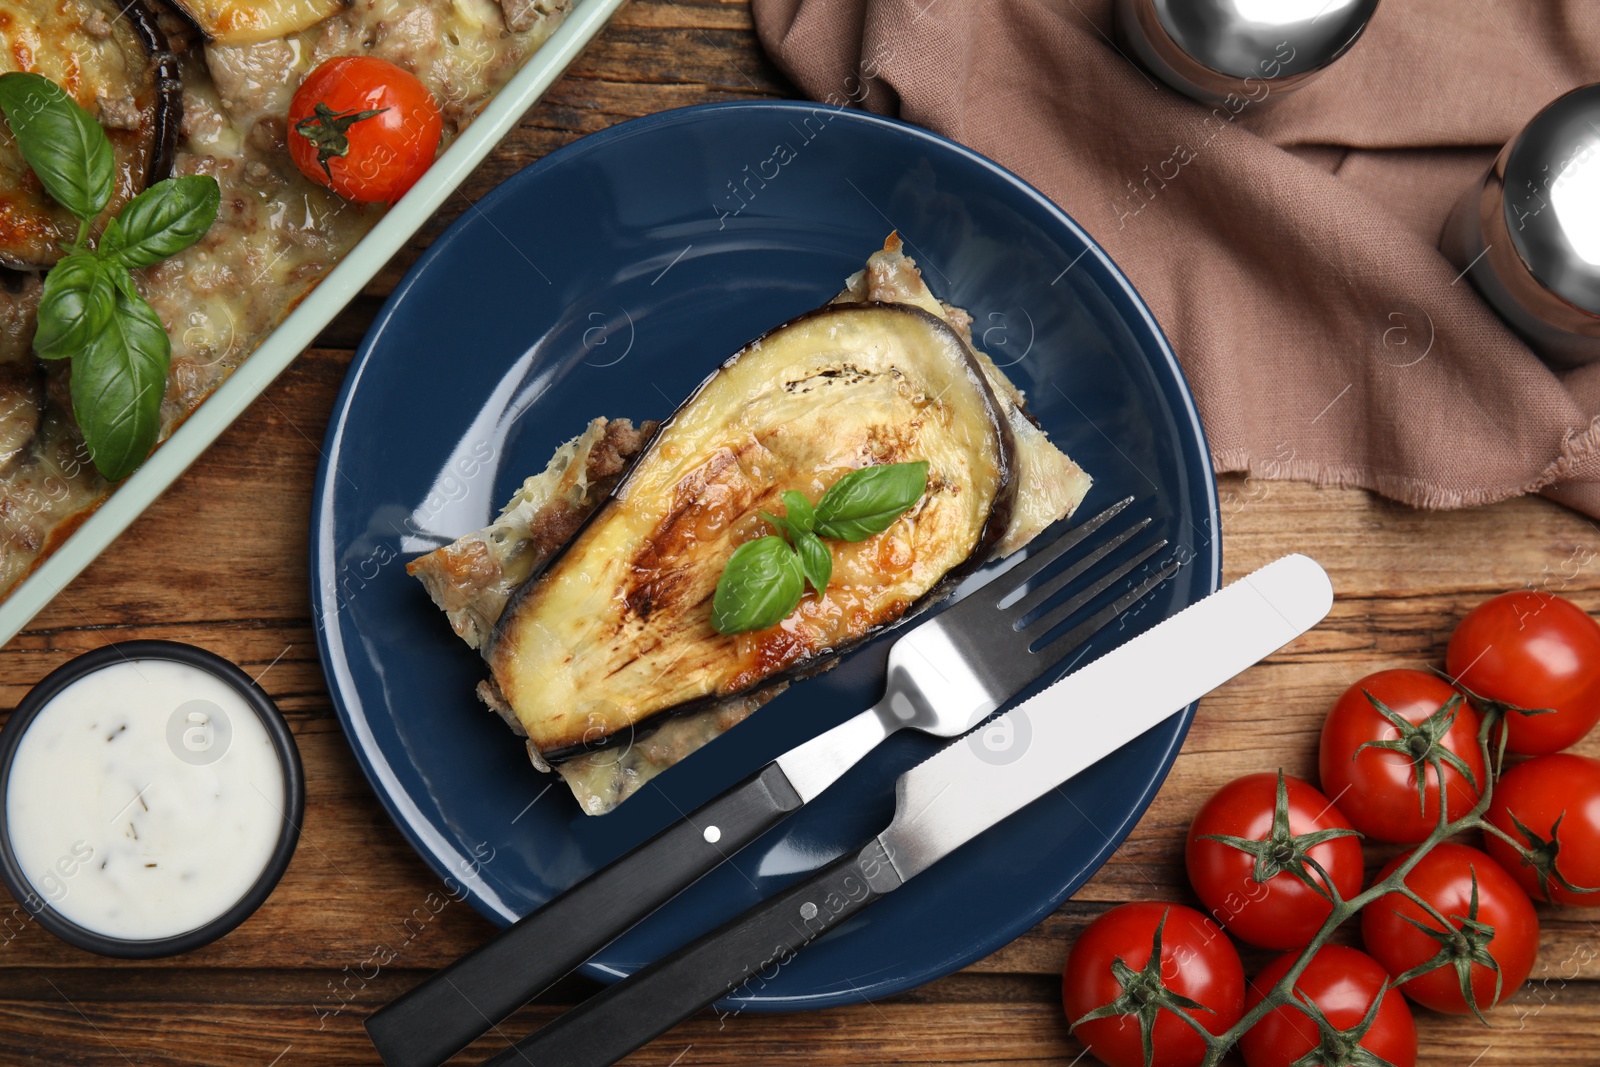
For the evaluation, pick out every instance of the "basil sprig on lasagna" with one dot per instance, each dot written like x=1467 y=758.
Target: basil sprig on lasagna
x=765 y=578
x=90 y=311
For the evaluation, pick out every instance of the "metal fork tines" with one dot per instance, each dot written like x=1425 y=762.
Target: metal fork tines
x=950 y=672
x=991 y=623
x=1000 y=629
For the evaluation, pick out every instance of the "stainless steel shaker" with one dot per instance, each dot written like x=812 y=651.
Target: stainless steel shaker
x=1244 y=49
x=1528 y=233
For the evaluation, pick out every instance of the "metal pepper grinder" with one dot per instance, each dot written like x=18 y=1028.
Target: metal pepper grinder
x=1219 y=51
x=1528 y=234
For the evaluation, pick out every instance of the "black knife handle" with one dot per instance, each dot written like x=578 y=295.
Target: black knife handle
x=449 y=1010
x=745 y=954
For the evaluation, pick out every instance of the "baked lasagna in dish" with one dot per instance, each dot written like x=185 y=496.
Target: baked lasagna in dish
x=201 y=87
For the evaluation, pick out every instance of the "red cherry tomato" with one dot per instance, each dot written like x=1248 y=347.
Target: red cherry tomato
x=1561 y=786
x=1376 y=788
x=1343 y=983
x=1282 y=911
x=1443 y=878
x=364 y=128
x=1533 y=650
x=1197 y=961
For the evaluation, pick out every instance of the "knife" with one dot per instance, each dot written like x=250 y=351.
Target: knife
x=948 y=800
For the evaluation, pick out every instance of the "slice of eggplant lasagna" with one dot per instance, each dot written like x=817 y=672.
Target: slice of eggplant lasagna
x=590 y=597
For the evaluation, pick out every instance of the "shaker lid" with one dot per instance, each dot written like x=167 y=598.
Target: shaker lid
x=1552 y=197
x=1265 y=38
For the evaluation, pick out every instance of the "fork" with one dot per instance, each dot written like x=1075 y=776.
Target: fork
x=944 y=677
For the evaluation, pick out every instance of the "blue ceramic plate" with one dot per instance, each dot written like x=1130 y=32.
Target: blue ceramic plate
x=610 y=278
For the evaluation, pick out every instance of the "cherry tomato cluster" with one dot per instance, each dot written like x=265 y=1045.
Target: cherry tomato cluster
x=1268 y=855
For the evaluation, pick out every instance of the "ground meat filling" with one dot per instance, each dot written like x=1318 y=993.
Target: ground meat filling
x=555 y=524
x=472 y=577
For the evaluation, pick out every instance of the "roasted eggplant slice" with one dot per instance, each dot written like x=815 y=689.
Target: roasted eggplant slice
x=112 y=58
x=618 y=627
x=250 y=21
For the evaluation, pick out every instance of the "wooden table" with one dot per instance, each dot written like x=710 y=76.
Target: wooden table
x=221 y=561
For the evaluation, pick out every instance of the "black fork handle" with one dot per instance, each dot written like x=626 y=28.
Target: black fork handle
x=744 y=953
x=457 y=1005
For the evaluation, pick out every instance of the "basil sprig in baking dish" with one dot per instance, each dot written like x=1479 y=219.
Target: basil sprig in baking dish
x=90 y=311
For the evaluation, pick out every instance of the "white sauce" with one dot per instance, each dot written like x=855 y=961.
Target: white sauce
x=145 y=800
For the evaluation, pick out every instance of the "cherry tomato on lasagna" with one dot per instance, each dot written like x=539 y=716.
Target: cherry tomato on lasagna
x=364 y=128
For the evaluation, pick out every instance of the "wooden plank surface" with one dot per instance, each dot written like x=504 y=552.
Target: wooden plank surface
x=291 y=986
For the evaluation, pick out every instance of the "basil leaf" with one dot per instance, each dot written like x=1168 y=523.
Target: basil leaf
x=77 y=305
x=162 y=221
x=118 y=382
x=867 y=501
x=802 y=518
x=61 y=141
x=760 y=586
x=815 y=561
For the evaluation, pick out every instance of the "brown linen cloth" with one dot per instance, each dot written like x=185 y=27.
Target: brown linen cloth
x=1290 y=253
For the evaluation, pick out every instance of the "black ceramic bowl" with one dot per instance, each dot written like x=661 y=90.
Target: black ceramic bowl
x=282 y=742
